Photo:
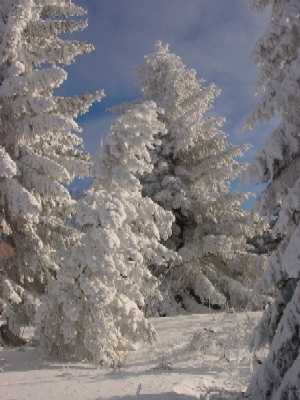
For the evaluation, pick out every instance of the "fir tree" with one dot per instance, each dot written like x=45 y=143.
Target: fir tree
x=39 y=135
x=278 y=56
x=194 y=168
x=95 y=309
x=8 y=170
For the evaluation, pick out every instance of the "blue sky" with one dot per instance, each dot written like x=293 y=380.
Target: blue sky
x=214 y=37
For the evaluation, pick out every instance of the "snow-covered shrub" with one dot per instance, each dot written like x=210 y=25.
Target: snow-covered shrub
x=278 y=58
x=194 y=167
x=95 y=308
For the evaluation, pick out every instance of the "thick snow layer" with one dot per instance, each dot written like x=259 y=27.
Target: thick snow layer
x=194 y=354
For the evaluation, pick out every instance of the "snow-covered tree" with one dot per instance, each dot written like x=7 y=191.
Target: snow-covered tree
x=39 y=144
x=8 y=170
x=278 y=165
x=194 y=167
x=95 y=309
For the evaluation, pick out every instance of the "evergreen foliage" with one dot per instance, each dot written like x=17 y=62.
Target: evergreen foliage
x=40 y=147
x=95 y=309
x=195 y=166
x=278 y=57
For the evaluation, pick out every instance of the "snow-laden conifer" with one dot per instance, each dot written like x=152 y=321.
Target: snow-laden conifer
x=96 y=308
x=39 y=135
x=8 y=170
x=278 y=165
x=194 y=168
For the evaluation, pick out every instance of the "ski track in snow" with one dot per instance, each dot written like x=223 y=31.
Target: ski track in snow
x=169 y=370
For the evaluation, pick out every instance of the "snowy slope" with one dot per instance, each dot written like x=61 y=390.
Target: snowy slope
x=193 y=353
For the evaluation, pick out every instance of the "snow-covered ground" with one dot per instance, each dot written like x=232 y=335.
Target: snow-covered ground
x=194 y=353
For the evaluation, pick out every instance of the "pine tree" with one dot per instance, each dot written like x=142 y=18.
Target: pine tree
x=8 y=170
x=96 y=308
x=39 y=135
x=194 y=168
x=277 y=55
